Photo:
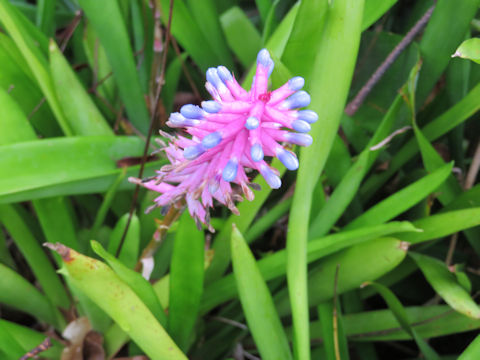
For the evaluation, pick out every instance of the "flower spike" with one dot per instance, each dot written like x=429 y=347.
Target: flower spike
x=230 y=136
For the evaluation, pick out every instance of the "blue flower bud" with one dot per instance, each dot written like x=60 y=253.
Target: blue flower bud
x=230 y=171
x=297 y=100
x=212 y=77
x=288 y=159
x=256 y=152
x=307 y=115
x=301 y=126
x=263 y=58
x=211 y=140
x=192 y=111
x=211 y=106
x=272 y=180
x=224 y=74
x=298 y=139
x=192 y=152
x=296 y=83
x=252 y=123
x=178 y=119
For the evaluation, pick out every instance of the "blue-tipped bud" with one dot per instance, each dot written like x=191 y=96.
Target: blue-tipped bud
x=224 y=74
x=272 y=180
x=211 y=106
x=296 y=83
x=212 y=77
x=256 y=152
x=288 y=159
x=192 y=111
x=299 y=139
x=297 y=100
x=307 y=115
x=263 y=58
x=301 y=126
x=252 y=123
x=192 y=152
x=230 y=171
x=177 y=119
x=211 y=140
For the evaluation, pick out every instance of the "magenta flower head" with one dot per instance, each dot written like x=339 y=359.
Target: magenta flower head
x=230 y=136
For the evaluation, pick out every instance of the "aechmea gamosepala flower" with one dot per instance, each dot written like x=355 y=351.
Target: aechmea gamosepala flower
x=230 y=136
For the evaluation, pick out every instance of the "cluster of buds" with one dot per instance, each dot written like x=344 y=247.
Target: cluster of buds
x=230 y=136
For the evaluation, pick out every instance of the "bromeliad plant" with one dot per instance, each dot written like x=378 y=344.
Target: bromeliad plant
x=375 y=217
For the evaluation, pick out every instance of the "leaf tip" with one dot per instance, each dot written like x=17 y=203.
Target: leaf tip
x=404 y=245
x=62 y=250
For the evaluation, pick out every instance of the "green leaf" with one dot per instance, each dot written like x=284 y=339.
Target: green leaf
x=112 y=32
x=443 y=224
x=275 y=265
x=237 y=27
x=374 y=9
x=65 y=166
x=142 y=288
x=33 y=253
x=262 y=318
x=331 y=77
x=98 y=282
x=46 y=16
x=18 y=293
x=472 y=351
x=403 y=199
x=35 y=59
x=469 y=49
x=186 y=280
x=80 y=111
x=401 y=315
x=446 y=285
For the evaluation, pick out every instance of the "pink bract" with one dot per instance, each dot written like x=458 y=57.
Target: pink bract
x=230 y=136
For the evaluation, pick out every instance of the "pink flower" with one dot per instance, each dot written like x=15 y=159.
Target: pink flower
x=230 y=136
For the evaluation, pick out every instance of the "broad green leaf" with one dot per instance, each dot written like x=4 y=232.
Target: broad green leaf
x=237 y=27
x=80 y=111
x=134 y=280
x=275 y=265
x=97 y=281
x=403 y=199
x=65 y=166
x=34 y=255
x=472 y=351
x=446 y=285
x=469 y=49
x=186 y=280
x=331 y=77
x=443 y=224
x=18 y=293
x=257 y=303
x=382 y=255
x=302 y=45
x=15 y=127
x=112 y=32
x=29 y=339
x=46 y=16
x=9 y=345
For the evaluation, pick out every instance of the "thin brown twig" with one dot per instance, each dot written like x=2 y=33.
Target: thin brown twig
x=150 y=129
x=68 y=33
x=355 y=104
x=44 y=346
